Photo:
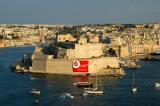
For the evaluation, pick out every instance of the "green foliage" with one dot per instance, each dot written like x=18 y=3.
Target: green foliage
x=1 y=37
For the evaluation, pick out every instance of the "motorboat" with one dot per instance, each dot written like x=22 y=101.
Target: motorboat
x=157 y=85
x=83 y=84
x=134 y=90
x=32 y=78
x=35 y=92
x=68 y=95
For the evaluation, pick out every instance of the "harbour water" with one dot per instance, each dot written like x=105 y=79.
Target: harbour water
x=15 y=88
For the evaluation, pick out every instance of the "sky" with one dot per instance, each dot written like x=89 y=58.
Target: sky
x=79 y=11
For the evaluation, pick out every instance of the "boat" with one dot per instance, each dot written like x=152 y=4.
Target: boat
x=157 y=85
x=32 y=78
x=94 y=90
x=83 y=84
x=134 y=89
x=35 y=92
x=68 y=95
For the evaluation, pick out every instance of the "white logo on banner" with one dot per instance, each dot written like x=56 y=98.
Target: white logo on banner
x=76 y=64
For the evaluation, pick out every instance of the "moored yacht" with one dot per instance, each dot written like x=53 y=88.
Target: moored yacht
x=157 y=85
x=35 y=92
x=95 y=90
x=83 y=84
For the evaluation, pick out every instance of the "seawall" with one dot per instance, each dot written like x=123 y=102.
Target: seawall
x=103 y=65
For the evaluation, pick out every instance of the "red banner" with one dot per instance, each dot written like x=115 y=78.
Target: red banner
x=80 y=66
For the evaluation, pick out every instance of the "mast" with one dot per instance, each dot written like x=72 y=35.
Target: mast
x=100 y=83
x=96 y=75
x=96 y=81
x=133 y=79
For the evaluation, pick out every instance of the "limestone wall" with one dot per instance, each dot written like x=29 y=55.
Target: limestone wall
x=59 y=66
x=89 y=50
x=96 y=65
x=64 y=66
x=124 y=52
x=38 y=66
x=156 y=48
x=70 y=53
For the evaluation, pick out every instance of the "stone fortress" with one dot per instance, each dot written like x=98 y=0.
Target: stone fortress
x=67 y=51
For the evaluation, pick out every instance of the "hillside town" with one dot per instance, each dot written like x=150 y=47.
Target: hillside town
x=109 y=46
x=125 y=39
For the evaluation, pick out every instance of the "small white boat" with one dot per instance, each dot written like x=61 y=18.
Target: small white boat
x=35 y=92
x=93 y=91
x=157 y=85
x=85 y=94
x=32 y=78
x=134 y=90
x=69 y=95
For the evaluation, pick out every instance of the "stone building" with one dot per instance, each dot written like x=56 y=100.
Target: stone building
x=65 y=38
x=94 y=39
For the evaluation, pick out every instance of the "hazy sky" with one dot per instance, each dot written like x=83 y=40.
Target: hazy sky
x=79 y=11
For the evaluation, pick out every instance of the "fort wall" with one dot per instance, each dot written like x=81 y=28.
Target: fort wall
x=65 y=66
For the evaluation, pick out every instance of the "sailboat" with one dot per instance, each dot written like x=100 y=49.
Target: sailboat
x=134 y=89
x=157 y=85
x=94 y=90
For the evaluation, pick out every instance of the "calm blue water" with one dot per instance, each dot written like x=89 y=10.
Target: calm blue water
x=15 y=87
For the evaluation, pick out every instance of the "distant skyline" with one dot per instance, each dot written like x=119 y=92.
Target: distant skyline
x=79 y=11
